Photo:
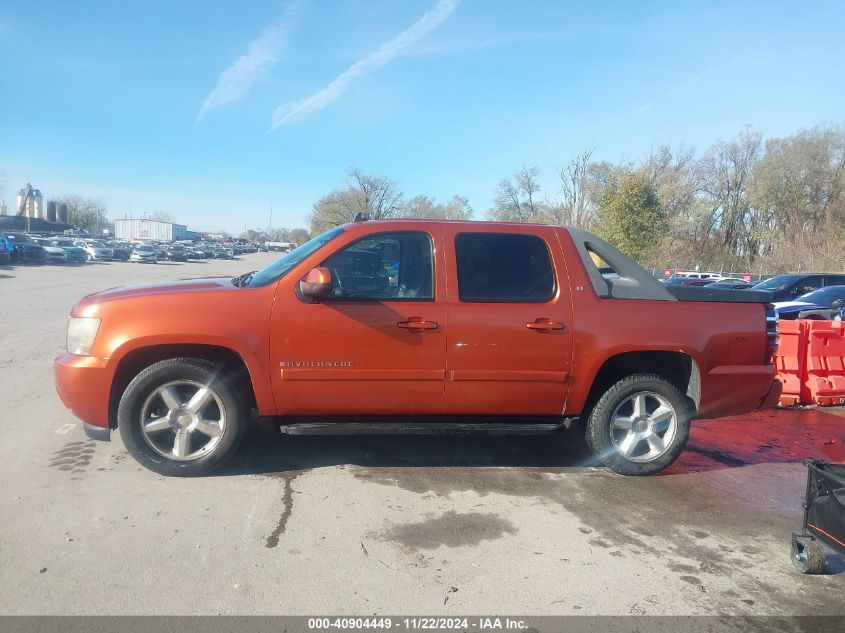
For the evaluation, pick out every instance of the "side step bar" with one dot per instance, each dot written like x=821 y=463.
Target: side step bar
x=422 y=428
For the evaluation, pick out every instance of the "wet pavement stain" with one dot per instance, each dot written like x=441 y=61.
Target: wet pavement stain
x=287 y=509
x=452 y=529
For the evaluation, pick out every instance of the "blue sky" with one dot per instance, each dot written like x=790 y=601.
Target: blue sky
x=146 y=105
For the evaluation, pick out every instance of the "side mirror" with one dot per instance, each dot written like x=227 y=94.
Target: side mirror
x=317 y=284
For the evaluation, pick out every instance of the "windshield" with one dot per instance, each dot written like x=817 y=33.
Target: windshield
x=97 y=244
x=146 y=249
x=776 y=283
x=823 y=295
x=281 y=267
x=64 y=243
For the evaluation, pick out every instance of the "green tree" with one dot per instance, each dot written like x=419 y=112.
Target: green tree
x=630 y=215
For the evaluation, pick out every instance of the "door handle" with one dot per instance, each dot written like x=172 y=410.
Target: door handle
x=416 y=324
x=544 y=325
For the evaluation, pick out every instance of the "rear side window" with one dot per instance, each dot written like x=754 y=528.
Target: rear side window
x=503 y=268
x=834 y=280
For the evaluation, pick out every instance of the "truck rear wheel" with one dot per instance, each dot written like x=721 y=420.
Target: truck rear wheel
x=181 y=417
x=639 y=425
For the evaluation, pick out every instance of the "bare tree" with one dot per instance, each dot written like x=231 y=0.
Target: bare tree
x=726 y=171
x=574 y=208
x=516 y=201
x=424 y=207
x=160 y=216
x=85 y=213
x=379 y=196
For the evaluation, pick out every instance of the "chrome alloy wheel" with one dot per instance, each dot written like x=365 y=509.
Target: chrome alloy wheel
x=183 y=420
x=643 y=426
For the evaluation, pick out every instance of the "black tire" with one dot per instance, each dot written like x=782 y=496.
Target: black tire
x=599 y=431
x=181 y=369
x=807 y=556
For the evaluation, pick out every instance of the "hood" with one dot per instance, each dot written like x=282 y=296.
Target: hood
x=181 y=287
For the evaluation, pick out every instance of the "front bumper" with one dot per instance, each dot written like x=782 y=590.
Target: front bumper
x=83 y=384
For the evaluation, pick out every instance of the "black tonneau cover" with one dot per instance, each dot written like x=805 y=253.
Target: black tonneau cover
x=702 y=293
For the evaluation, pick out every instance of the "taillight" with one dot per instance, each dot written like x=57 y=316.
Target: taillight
x=772 y=333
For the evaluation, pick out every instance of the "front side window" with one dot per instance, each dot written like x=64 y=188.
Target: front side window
x=503 y=268
x=384 y=267
x=282 y=266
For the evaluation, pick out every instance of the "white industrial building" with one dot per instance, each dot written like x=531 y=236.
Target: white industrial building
x=143 y=229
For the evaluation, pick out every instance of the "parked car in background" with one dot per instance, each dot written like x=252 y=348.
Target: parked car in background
x=23 y=249
x=75 y=254
x=788 y=287
x=144 y=253
x=221 y=253
x=687 y=281
x=731 y=284
x=96 y=250
x=829 y=297
x=55 y=255
x=120 y=251
x=161 y=251
x=5 y=255
x=176 y=253
x=696 y=275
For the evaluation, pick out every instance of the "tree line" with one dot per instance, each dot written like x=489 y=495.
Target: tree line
x=744 y=203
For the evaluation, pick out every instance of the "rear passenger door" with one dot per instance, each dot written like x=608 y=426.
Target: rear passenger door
x=509 y=316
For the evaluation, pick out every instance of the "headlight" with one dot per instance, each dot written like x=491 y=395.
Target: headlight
x=81 y=332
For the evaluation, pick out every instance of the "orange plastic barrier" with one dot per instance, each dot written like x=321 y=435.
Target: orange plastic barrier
x=791 y=361
x=825 y=382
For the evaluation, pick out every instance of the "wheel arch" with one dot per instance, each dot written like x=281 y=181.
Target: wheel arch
x=136 y=360
x=678 y=367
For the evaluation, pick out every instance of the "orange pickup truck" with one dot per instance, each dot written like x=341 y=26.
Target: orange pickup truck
x=404 y=326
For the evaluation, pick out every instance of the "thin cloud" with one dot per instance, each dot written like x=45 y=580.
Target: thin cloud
x=262 y=54
x=295 y=110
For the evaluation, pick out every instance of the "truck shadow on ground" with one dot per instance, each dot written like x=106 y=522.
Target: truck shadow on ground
x=767 y=437
x=268 y=453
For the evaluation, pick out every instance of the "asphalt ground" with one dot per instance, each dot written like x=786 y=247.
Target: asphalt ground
x=365 y=525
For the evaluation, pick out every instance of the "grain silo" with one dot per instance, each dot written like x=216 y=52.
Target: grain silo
x=51 y=210
x=37 y=205
x=61 y=208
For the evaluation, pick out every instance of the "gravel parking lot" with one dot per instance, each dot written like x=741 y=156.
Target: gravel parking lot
x=425 y=525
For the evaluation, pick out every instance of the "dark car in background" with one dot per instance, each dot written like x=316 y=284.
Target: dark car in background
x=120 y=251
x=176 y=253
x=5 y=255
x=827 y=298
x=23 y=249
x=788 y=287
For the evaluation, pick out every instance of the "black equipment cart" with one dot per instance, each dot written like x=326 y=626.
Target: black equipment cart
x=824 y=517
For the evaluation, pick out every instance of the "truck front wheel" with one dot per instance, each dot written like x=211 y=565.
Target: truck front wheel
x=639 y=425
x=181 y=417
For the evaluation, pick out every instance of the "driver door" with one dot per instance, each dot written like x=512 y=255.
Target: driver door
x=377 y=344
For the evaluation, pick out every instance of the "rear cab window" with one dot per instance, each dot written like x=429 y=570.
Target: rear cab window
x=504 y=268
